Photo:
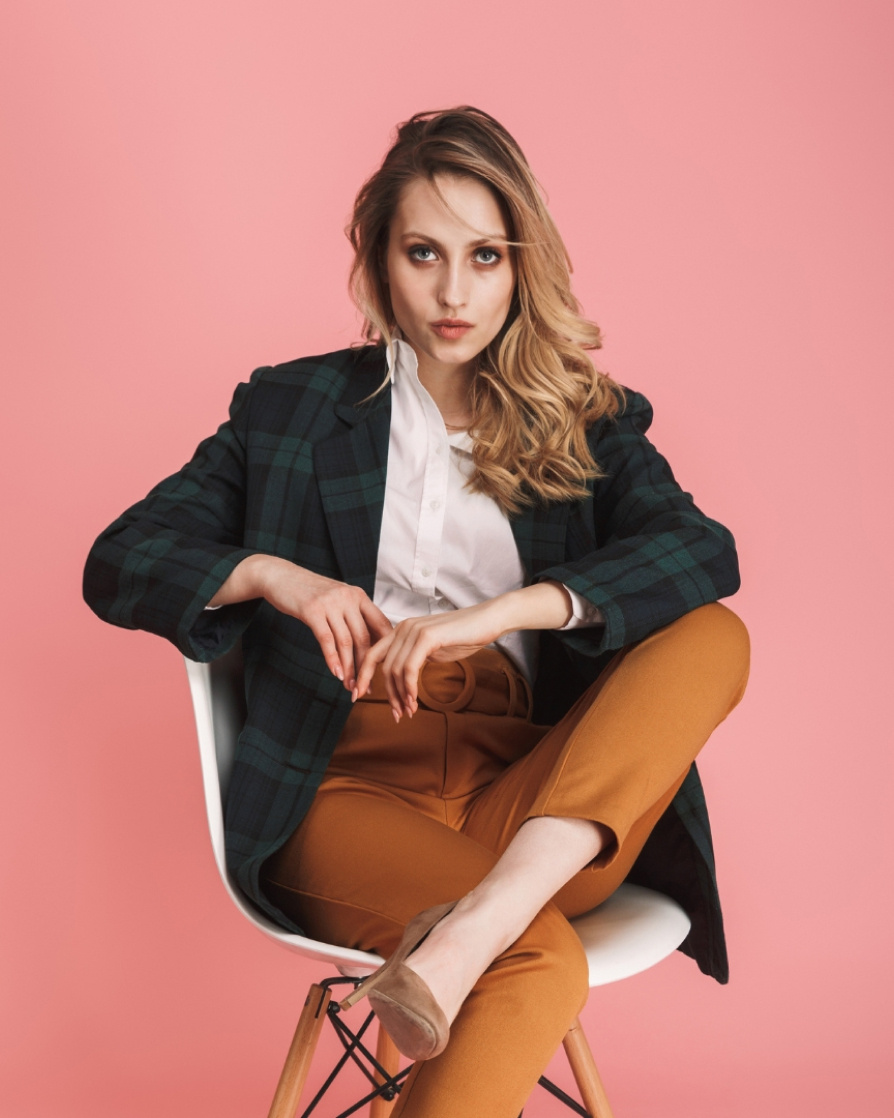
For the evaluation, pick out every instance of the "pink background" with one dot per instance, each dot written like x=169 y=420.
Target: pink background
x=176 y=177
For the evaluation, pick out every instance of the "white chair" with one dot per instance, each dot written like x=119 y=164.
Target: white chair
x=630 y=932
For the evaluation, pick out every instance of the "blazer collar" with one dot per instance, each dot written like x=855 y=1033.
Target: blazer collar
x=359 y=399
x=350 y=468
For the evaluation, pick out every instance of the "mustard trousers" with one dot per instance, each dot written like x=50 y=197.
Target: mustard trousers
x=416 y=814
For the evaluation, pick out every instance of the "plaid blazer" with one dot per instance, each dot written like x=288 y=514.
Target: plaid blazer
x=298 y=471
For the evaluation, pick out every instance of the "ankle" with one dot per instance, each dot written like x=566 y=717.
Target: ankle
x=480 y=927
x=495 y=915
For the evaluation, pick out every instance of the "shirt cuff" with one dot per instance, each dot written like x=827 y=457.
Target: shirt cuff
x=583 y=614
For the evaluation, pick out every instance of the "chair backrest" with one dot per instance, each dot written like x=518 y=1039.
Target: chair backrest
x=225 y=682
x=218 y=699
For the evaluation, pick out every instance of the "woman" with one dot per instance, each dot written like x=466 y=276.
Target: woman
x=479 y=621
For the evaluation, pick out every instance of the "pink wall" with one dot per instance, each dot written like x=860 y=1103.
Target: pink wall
x=176 y=176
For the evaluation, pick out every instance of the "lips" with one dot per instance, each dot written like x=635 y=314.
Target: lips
x=451 y=327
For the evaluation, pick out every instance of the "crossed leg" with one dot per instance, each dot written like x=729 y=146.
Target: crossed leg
x=364 y=861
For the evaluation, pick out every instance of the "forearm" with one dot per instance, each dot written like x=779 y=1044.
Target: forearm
x=544 y=605
x=247 y=580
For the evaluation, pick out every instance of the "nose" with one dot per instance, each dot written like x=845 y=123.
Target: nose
x=453 y=292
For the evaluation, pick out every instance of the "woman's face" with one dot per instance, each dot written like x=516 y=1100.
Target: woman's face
x=450 y=273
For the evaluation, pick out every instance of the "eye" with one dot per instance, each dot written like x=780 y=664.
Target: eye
x=488 y=256
x=423 y=253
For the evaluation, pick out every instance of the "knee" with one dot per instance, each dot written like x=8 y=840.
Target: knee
x=722 y=638
x=552 y=950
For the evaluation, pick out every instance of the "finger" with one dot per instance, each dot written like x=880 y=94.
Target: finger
x=373 y=658
x=344 y=646
x=376 y=621
x=394 y=657
x=326 y=641
x=404 y=662
x=360 y=637
x=413 y=664
x=398 y=706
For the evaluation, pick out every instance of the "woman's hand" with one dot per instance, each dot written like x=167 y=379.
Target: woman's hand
x=401 y=653
x=344 y=620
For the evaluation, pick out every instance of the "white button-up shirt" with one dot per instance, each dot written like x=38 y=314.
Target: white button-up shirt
x=442 y=546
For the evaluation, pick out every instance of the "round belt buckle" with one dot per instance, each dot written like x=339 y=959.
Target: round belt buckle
x=461 y=701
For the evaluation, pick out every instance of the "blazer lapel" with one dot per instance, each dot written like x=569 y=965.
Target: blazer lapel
x=350 y=471
x=539 y=533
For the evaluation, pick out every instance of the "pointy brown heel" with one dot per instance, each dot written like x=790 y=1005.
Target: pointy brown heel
x=401 y=1000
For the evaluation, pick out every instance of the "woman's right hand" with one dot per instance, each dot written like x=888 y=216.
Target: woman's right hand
x=343 y=618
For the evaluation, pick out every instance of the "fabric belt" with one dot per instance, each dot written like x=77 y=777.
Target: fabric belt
x=485 y=683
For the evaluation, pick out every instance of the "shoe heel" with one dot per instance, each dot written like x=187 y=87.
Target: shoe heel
x=359 y=992
x=414 y=934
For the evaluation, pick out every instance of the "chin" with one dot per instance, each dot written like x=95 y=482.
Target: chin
x=459 y=352
x=455 y=357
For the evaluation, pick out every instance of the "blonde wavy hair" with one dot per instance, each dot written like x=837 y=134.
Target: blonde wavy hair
x=536 y=390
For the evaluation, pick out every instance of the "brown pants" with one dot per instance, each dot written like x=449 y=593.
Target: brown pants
x=416 y=814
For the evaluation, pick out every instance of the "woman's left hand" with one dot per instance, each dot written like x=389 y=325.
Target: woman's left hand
x=401 y=654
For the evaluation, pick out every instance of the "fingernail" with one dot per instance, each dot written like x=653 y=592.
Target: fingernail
x=352 y=683
x=339 y=674
x=396 y=715
x=354 y=695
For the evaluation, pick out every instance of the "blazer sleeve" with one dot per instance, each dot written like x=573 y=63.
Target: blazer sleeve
x=657 y=555
x=160 y=563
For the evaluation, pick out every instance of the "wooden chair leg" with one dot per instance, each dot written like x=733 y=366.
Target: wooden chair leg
x=301 y=1052
x=583 y=1068
x=389 y=1057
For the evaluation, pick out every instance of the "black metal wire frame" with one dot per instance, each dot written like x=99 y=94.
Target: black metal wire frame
x=356 y=1050
x=563 y=1096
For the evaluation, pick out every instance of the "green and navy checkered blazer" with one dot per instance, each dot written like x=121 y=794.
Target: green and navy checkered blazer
x=298 y=471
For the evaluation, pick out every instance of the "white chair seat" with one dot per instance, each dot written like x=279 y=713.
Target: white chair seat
x=630 y=932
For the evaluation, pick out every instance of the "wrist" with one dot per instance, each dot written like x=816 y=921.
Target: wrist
x=247 y=580
x=259 y=572
x=543 y=605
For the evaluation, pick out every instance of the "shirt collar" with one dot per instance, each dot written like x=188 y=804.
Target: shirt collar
x=402 y=361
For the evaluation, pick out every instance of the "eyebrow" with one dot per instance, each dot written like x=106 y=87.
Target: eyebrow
x=413 y=235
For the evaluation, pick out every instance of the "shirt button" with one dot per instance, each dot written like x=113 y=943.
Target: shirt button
x=435 y=505
x=425 y=572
